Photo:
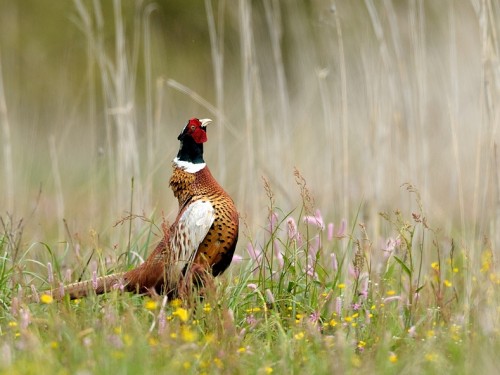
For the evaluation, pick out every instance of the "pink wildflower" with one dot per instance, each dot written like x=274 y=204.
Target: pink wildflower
x=250 y=319
x=273 y=219
x=391 y=245
x=364 y=288
x=391 y=298
x=270 y=296
x=338 y=306
x=314 y=317
x=330 y=229
x=25 y=318
x=237 y=258
x=67 y=276
x=335 y=265
x=293 y=233
x=254 y=253
x=317 y=220
x=50 y=276
x=35 y=294
x=310 y=269
x=277 y=253
x=314 y=247
x=341 y=231
x=94 y=280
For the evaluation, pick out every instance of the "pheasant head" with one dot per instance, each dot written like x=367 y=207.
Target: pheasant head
x=192 y=137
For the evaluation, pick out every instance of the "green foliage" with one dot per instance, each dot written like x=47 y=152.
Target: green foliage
x=288 y=308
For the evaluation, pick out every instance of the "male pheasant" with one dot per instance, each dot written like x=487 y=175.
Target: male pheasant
x=201 y=240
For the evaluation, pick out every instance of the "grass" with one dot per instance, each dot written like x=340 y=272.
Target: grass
x=359 y=96
x=308 y=298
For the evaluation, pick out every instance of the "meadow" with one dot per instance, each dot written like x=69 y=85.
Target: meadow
x=358 y=140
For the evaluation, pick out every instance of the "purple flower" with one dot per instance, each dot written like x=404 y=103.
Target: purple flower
x=314 y=317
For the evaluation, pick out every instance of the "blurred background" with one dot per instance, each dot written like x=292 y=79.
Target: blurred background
x=359 y=96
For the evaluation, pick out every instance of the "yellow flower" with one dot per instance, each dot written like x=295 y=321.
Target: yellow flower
x=348 y=319
x=253 y=309
x=435 y=266
x=150 y=305
x=127 y=340
x=391 y=292
x=241 y=350
x=431 y=357
x=486 y=260
x=117 y=354
x=393 y=358
x=355 y=361
x=268 y=370
x=152 y=341
x=182 y=314
x=176 y=302
x=218 y=362
x=207 y=307
x=455 y=269
x=299 y=336
x=333 y=322
x=12 y=324
x=447 y=283
x=54 y=344
x=361 y=344
x=186 y=365
x=46 y=298
x=188 y=334
x=341 y=286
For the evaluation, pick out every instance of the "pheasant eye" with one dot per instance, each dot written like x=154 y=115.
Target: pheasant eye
x=193 y=127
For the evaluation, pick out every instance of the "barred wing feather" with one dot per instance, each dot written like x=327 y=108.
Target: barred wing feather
x=192 y=228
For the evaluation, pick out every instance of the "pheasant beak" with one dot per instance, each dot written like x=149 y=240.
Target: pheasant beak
x=205 y=122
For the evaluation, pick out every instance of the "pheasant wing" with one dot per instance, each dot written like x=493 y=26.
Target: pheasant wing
x=191 y=229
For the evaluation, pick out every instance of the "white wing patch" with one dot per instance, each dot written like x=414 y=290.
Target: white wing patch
x=192 y=228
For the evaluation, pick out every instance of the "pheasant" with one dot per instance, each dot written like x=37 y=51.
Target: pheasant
x=201 y=240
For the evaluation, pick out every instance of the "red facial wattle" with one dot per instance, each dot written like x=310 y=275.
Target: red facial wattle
x=196 y=131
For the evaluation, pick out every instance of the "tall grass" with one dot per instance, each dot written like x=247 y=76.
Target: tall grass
x=382 y=106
